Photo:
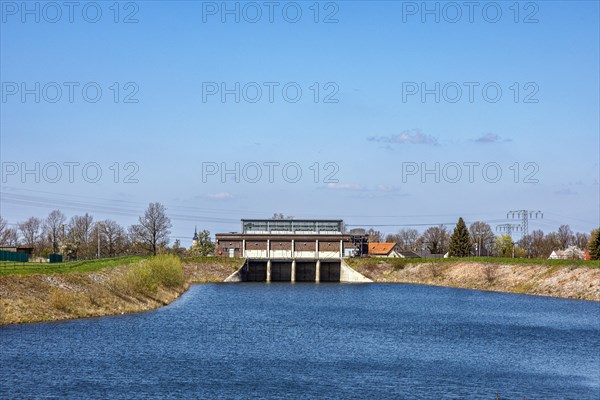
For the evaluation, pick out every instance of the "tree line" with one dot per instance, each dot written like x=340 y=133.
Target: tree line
x=479 y=239
x=82 y=237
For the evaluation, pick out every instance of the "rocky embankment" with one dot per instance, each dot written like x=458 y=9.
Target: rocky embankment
x=573 y=282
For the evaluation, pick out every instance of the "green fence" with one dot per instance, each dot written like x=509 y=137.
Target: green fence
x=13 y=256
x=55 y=258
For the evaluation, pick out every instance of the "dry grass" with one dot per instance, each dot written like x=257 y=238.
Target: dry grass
x=133 y=287
x=490 y=272
x=435 y=269
x=567 y=281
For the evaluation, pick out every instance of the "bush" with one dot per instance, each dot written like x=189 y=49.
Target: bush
x=435 y=269
x=140 y=279
x=167 y=270
x=399 y=263
x=147 y=276
x=490 y=272
x=62 y=300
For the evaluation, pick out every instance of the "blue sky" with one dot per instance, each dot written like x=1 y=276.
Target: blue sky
x=371 y=133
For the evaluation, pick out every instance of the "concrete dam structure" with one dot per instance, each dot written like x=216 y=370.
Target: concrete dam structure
x=292 y=251
x=291 y=271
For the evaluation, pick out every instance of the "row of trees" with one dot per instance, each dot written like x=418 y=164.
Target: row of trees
x=479 y=239
x=81 y=237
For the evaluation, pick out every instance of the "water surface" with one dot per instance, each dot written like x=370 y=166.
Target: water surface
x=315 y=341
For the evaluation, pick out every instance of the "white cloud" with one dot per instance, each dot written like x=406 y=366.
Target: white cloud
x=220 y=196
x=413 y=136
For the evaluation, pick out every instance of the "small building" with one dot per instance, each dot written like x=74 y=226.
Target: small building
x=571 y=253
x=16 y=253
x=556 y=255
x=18 y=249
x=383 y=250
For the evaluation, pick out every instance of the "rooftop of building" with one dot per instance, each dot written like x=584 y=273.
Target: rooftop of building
x=380 y=249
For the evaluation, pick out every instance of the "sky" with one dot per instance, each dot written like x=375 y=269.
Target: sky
x=385 y=114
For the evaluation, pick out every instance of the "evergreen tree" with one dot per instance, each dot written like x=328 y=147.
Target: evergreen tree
x=460 y=241
x=594 y=245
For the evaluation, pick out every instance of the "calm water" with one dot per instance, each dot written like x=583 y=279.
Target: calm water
x=315 y=341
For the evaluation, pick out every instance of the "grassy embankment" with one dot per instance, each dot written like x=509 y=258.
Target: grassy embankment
x=51 y=292
x=574 y=279
x=15 y=268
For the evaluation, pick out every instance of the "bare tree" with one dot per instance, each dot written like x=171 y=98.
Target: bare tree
x=4 y=232
x=53 y=226
x=582 y=240
x=406 y=239
x=374 y=236
x=551 y=243
x=436 y=239
x=152 y=232
x=409 y=239
x=11 y=237
x=114 y=237
x=534 y=244
x=78 y=236
x=565 y=236
x=483 y=236
x=30 y=231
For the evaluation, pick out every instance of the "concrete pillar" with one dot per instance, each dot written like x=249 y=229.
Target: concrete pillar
x=268 y=271
x=293 y=249
x=341 y=248
x=243 y=248
x=268 y=248
x=318 y=272
x=293 y=279
x=317 y=248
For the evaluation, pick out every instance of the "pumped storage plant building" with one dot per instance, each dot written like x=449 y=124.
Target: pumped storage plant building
x=302 y=250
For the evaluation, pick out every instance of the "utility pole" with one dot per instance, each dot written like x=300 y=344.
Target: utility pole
x=62 y=241
x=98 y=235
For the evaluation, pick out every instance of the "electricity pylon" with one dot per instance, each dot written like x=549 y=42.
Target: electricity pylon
x=524 y=216
x=508 y=228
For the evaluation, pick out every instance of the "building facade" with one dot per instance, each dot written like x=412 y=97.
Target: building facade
x=288 y=239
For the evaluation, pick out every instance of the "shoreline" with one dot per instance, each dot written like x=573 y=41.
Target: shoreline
x=558 y=281
x=58 y=297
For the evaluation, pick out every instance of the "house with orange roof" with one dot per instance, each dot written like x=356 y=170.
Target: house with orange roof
x=383 y=250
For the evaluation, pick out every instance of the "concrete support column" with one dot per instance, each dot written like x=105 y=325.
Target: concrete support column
x=243 y=248
x=293 y=279
x=341 y=248
x=268 y=248
x=318 y=272
x=317 y=248
x=293 y=255
x=268 y=271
